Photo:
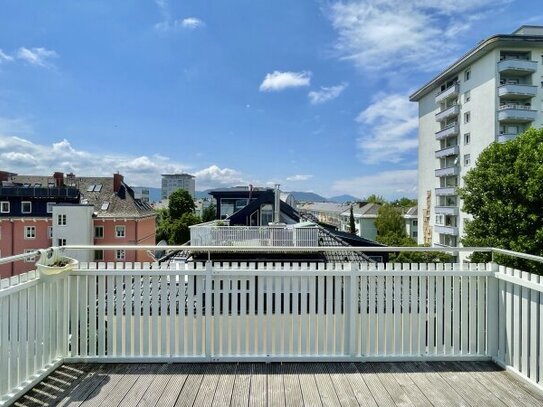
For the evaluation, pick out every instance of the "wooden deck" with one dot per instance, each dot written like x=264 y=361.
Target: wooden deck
x=290 y=384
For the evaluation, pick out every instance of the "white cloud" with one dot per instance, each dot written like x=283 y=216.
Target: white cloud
x=400 y=34
x=390 y=184
x=326 y=93
x=299 y=177
x=25 y=157
x=192 y=23
x=277 y=80
x=36 y=56
x=388 y=129
x=5 y=57
x=214 y=176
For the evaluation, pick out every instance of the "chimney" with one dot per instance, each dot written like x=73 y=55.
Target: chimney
x=277 y=205
x=117 y=181
x=59 y=179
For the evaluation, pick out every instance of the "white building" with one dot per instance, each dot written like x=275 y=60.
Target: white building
x=173 y=182
x=73 y=225
x=492 y=93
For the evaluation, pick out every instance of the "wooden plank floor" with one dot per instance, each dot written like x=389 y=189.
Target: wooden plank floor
x=290 y=384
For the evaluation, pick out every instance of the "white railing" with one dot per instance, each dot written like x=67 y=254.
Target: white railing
x=263 y=236
x=231 y=311
x=514 y=106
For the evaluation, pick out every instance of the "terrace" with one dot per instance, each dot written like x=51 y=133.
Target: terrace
x=197 y=333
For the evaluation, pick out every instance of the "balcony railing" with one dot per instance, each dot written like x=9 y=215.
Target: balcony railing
x=447 y=113
x=517 y=66
x=448 y=131
x=253 y=236
x=448 y=93
x=228 y=311
x=446 y=210
x=448 y=151
x=502 y=138
x=447 y=171
x=516 y=113
x=446 y=230
x=517 y=91
x=446 y=191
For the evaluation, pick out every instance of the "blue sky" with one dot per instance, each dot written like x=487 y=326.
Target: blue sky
x=310 y=94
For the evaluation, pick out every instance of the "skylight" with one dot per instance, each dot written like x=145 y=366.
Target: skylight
x=90 y=188
x=104 y=207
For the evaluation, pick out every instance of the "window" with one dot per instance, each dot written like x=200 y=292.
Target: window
x=415 y=223
x=61 y=219
x=30 y=232
x=26 y=207
x=31 y=259
x=4 y=207
x=49 y=232
x=98 y=255
x=266 y=214
x=467 y=138
x=467 y=75
x=467 y=96
x=467 y=160
x=50 y=207
x=98 y=232
x=467 y=117
x=61 y=242
x=119 y=231
x=119 y=255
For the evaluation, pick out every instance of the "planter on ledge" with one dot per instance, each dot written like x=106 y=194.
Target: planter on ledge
x=53 y=263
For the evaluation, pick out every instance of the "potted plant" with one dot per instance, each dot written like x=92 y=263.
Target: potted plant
x=52 y=262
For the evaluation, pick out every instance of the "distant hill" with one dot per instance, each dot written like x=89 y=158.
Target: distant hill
x=308 y=197
x=154 y=194
x=344 y=198
x=203 y=194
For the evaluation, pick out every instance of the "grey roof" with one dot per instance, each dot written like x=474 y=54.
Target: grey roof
x=368 y=209
x=107 y=203
x=413 y=211
x=330 y=207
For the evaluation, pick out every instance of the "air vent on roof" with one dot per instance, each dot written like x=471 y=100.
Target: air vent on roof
x=51 y=185
x=37 y=185
x=98 y=188
x=104 y=207
x=85 y=201
x=90 y=188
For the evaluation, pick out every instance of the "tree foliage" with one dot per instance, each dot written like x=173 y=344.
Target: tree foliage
x=404 y=202
x=352 y=226
x=504 y=195
x=180 y=202
x=209 y=213
x=375 y=199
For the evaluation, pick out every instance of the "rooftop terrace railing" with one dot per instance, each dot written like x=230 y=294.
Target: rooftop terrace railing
x=279 y=311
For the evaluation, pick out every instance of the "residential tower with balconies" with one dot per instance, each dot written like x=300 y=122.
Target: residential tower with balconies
x=491 y=94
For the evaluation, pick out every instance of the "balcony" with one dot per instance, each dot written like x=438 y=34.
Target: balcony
x=450 y=130
x=517 y=66
x=446 y=152
x=447 y=191
x=183 y=327
x=502 y=138
x=450 y=92
x=448 y=113
x=516 y=113
x=447 y=171
x=257 y=236
x=512 y=91
x=446 y=230
x=446 y=210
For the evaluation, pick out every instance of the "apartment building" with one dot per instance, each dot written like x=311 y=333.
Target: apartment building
x=173 y=182
x=491 y=94
x=39 y=211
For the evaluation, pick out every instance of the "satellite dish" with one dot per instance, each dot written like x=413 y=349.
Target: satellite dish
x=158 y=254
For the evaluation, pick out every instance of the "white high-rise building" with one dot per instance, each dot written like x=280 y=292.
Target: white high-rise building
x=491 y=94
x=173 y=182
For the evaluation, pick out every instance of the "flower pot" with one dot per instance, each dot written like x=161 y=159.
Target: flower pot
x=65 y=264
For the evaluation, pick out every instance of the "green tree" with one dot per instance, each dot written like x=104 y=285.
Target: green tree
x=179 y=228
x=404 y=202
x=180 y=202
x=352 y=226
x=504 y=195
x=209 y=213
x=375 y=199
x=390 y=226
x=162 y=225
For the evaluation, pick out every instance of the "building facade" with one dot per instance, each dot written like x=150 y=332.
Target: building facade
x=37 y=212
x=491 y=94
x=173 y=182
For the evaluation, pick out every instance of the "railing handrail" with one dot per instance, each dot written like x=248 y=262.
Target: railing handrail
x=514 y=106
x=17 y=257
x=448 y=126
x=455 y=84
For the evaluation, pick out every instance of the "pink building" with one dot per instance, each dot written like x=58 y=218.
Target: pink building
x=26 y=223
